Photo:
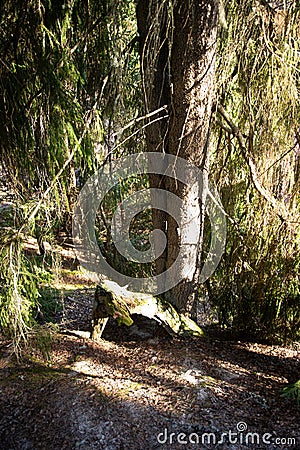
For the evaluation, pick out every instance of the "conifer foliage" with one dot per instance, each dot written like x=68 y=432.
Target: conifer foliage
x=72 y=96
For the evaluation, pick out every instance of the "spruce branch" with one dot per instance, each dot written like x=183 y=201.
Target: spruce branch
x=278 y=207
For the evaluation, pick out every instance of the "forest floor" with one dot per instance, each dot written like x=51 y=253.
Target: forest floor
x=132 y=391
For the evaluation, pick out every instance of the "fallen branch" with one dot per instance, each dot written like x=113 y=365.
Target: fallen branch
x=112 y=300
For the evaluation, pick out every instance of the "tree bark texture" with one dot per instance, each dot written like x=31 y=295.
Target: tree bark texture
x=153 y=27
x=182 y=76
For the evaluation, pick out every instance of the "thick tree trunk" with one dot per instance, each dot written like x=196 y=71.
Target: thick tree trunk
x=184 y=78
x=193 y=70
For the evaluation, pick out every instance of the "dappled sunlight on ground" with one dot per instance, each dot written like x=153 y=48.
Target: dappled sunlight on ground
x=124 y=391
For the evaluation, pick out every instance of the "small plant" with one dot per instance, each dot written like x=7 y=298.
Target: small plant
x=292 y=391
x=49 y=303
x=41 y=338
x=18 y=292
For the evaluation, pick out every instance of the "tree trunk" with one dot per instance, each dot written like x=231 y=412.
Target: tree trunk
x=153 y=23
x=188 y=87
x=193 y=70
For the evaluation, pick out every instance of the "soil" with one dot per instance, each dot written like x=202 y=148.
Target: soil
x=133 y=391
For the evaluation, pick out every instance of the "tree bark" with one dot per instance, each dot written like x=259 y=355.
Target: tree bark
x=184 y=78
x=193 y=71
x=153 y=24
x=112 y=300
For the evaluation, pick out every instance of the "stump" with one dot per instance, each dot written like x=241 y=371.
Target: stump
x=112 y=300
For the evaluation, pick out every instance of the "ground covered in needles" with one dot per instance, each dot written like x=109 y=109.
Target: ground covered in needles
x=135 y=391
